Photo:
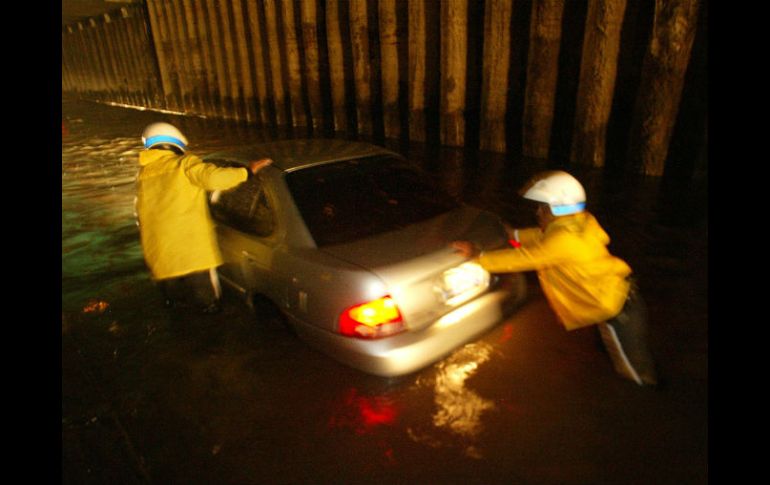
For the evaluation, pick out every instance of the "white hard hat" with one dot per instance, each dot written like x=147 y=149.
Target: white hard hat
x=163 y=133
x=560 y=190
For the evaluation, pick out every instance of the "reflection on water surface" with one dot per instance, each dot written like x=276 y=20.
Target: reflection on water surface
x=459 y=409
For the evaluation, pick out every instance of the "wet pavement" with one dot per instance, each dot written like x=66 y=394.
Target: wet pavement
x=154 y=396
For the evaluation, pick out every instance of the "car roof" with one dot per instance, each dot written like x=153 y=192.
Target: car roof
x=289 y=155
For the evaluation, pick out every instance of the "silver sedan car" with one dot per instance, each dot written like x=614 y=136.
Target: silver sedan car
x=351 y=242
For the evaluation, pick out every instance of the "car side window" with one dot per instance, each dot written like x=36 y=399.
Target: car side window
x=245 y=207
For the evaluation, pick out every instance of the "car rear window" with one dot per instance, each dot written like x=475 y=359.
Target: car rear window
x=354 y=199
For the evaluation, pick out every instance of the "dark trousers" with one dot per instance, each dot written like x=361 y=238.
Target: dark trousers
x=625 y=338
x=199 y=289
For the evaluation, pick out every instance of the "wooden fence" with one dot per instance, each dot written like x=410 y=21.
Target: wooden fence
x=538 y=78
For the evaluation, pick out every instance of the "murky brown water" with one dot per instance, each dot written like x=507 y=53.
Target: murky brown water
x=153 y=397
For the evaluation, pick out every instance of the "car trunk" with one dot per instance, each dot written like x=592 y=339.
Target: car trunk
x=414 y=260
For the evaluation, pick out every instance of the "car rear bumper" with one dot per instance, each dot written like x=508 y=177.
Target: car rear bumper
x=413 y=350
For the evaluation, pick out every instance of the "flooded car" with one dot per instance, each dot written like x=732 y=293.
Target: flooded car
x=351 y=242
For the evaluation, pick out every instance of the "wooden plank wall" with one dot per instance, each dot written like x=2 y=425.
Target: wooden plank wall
x=529 y=77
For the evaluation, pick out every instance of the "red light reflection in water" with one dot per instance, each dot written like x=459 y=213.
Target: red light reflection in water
x=366 y=416
x=507 y=333
x=95 y=306
x=363 y=413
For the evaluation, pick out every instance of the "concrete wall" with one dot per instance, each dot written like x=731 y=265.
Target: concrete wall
x=539 y=78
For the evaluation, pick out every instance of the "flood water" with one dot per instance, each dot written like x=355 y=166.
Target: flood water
x=151 y=396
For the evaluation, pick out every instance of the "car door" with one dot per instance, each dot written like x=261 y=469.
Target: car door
x=247 y=234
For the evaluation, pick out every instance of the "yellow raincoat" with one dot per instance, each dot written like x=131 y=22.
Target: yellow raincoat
x=583 y=282
x=176 y=229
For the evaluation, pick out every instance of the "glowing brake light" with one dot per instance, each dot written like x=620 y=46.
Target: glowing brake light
x=374 y=319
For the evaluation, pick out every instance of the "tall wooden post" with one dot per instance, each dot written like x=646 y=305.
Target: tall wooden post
x=133 y=63
x=454 y=33
x=233 y=105
x=68 y=62
x=182 y=54
x=188 y=39
x=112 y=59
x=542 y=73
x=66 y=65
x=75 y=56
x=127 y=58
x=244 y=62
x=601 y=45
x=274 y=52
x=92 y=41
x=310 y=42
x=138 y=59
x=298 y=115
x=416 y=94
x=134 y=57
x=389 y=67
x=417 y=62
x=88 y=59
x=217 y=53
x=336 y=64
x=175 y=53
x=660 y=90
x=80 y=56
x=494 y=84
x=108 y=57
x=260 y=70
x=359 y=36
x=210 y=71
x=103 y=67
x=194 y=48
x=69 y=84
x=99 y=82
x=139 y=43
x=161 y=49
x=83 y=58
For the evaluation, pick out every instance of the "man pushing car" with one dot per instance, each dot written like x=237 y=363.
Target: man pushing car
x=177 y=233
x=583 y=283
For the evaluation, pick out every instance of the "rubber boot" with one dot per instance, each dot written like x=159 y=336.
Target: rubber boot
x=625 y=338
x=630 y=356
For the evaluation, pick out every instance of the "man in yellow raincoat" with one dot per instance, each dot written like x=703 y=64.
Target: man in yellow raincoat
x=177 y=233
x=583 y=282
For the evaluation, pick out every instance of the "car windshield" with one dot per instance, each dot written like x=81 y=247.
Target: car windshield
x=344 y=201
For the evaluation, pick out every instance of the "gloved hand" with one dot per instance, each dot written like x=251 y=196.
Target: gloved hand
x=257 y=165
x=466 y=248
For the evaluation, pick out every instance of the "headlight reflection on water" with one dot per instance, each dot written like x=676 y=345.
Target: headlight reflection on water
x=459 y=409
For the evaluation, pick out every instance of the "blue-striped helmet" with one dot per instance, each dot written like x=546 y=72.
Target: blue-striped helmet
x=560 y=190
x=163 y=134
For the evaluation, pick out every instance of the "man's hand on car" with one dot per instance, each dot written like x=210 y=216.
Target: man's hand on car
x=257 y=165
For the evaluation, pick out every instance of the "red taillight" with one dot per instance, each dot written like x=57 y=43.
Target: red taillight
x=373 y=319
